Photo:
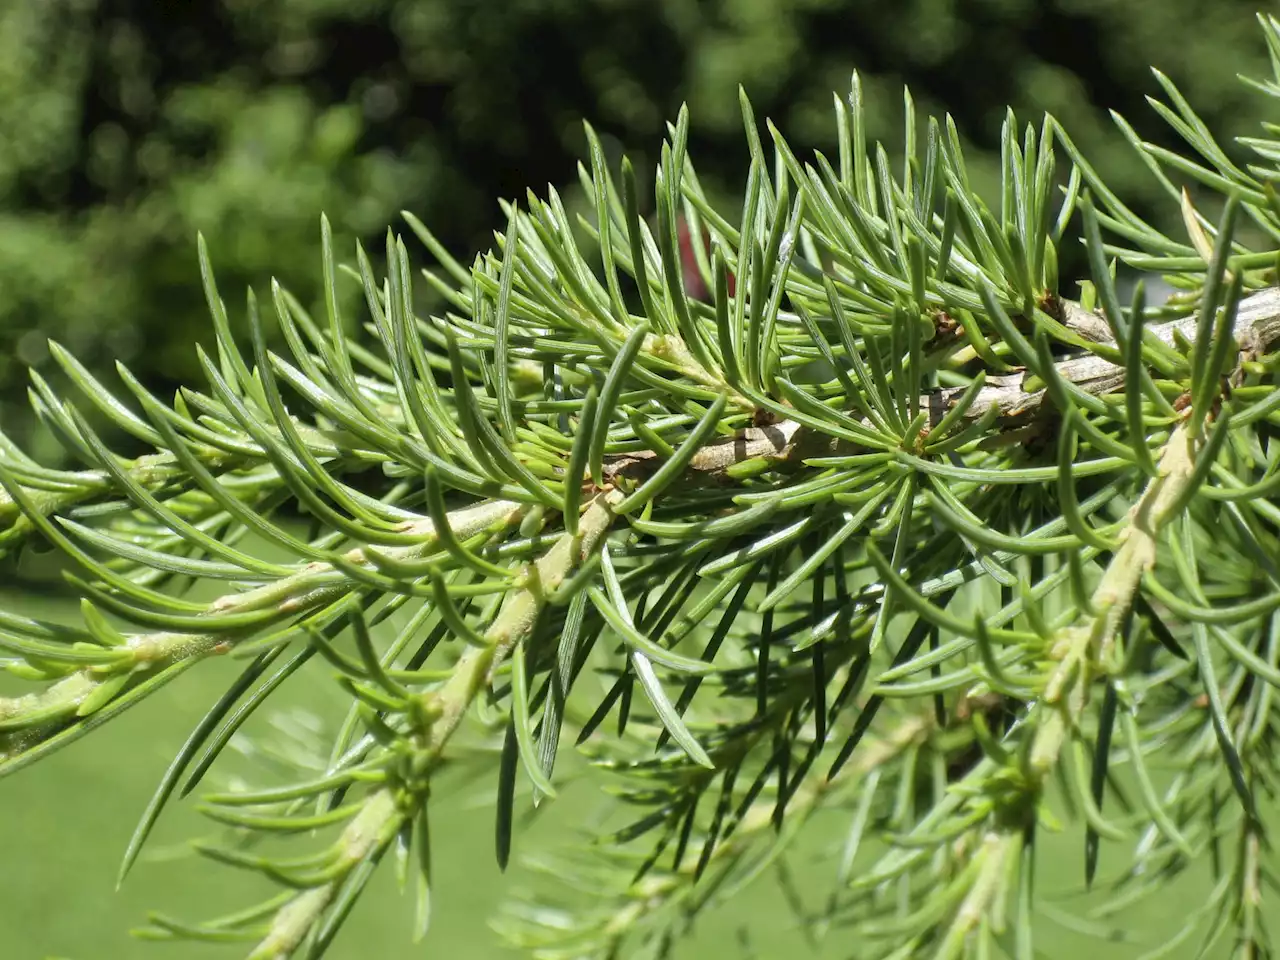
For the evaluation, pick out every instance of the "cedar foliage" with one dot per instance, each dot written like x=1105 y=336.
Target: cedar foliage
x=887 y=524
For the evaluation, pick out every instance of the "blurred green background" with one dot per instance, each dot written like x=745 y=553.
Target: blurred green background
x=126 y=126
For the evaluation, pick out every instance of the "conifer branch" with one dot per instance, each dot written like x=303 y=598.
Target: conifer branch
x=383 y=813
x=878 y=523
x=1258 y=320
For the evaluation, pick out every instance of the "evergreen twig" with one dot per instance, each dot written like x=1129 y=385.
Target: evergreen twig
x=884 y=524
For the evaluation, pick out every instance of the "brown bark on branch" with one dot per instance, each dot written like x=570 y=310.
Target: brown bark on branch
x=1257 y=328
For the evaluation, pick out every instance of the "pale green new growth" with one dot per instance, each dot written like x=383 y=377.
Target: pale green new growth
x=893 y=524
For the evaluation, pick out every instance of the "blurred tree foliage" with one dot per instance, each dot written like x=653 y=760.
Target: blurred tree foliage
x=126 y=125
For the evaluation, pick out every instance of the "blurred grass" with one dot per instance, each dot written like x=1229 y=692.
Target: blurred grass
x=65 y=823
